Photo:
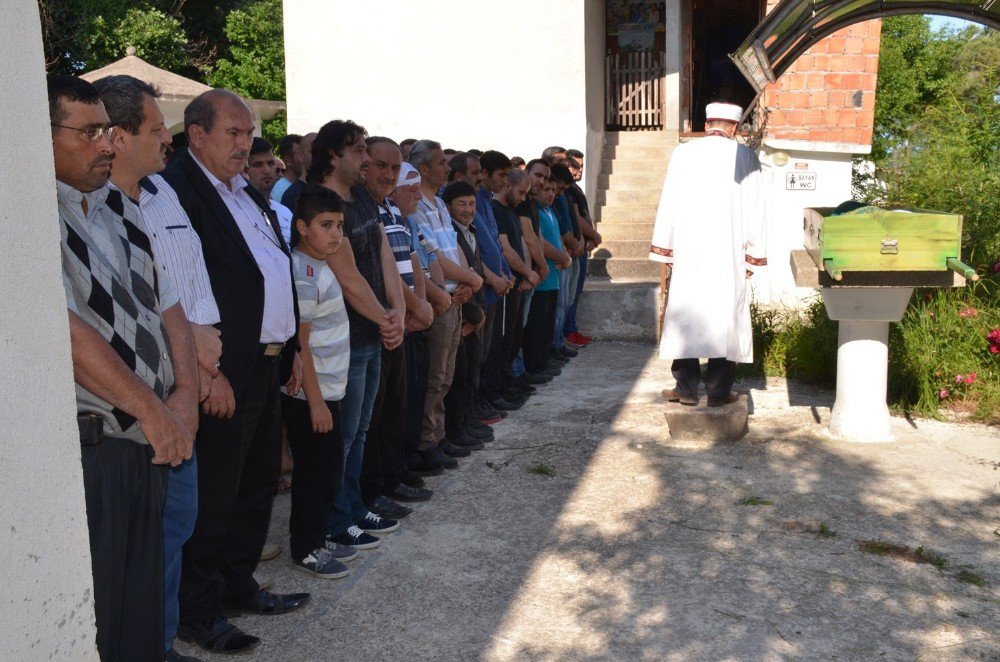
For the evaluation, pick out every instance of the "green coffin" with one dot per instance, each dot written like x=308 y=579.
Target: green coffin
x=883 y=240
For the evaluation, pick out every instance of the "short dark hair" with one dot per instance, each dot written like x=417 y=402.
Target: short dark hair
x=574 y=153
x=548 y=152
x=493 y=160
x=123 y=99
x=287 y=144
x=533 y=162
x=332 y=138
x=371 y=141
x=560 y=173
x=459 y=189
x=516 y=162
x=315 y=200
x=69 y=88
x=459 y=163
x=571 y=162
x=259 y=146
x=450 y=152
x=407 y=141
x=475 y=152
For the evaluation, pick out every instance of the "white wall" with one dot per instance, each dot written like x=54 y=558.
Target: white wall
x=471 y=74
x=832 y=165
x=47 y=610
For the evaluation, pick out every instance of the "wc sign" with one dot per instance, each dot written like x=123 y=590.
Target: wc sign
x=800 y=181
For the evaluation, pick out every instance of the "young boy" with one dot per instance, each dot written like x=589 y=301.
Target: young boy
x=313 y=415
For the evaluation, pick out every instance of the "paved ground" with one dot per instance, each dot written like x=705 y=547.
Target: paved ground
x=584 y=533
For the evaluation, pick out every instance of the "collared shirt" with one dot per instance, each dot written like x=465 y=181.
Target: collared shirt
x=423 y=245
x=278 y=324
x=284 y=215
x=397 y=231
x=434 y=219
x=177 y=249
x=113 y=283
x=279 y=189
x=489 y=238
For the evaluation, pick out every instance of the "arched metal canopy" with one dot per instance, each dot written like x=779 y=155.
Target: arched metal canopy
x=795 y=25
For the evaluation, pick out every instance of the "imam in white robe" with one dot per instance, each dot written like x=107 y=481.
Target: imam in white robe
x=710 y=226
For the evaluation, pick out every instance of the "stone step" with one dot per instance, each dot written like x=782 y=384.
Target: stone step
x=647 y=152
x=619 y=214
x=626 y=232
x=629 y=198
x=631 y=268
x=641 y=137
x=619 y=309
x=640 y=166
x=704 y=423
x=622 y=248
x=631 y=180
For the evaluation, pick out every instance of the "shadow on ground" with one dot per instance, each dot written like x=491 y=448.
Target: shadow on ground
x=584 y=533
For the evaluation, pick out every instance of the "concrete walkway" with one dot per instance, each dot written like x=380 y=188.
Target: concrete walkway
x=584 y=533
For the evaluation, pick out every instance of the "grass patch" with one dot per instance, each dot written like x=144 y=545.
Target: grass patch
x=823 y=531
x=884 y=548
x=936 y=560
x=541 y=469
x=969 y=577
x=754 y=501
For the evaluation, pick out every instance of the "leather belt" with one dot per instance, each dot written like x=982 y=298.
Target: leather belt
x=91 y=429
x=271 y=348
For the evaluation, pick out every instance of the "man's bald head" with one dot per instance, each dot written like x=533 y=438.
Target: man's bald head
x=203 y=110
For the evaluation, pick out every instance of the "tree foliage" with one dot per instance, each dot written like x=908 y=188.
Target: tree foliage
x=937 y=125
x=158 y=39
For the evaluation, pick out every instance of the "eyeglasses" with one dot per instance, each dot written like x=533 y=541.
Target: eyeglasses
x=94 y=133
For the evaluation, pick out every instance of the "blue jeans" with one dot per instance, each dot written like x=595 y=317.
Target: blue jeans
x=569 y=326
x=567 y=295
x=180 y=510
x=362 y=385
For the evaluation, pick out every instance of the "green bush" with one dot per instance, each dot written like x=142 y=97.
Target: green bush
x=797 y=344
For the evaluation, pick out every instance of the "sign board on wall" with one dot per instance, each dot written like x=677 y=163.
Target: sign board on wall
x=800 y=181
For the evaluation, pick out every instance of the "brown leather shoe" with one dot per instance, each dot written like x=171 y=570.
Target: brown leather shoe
x=728 y=400
x=672 y=396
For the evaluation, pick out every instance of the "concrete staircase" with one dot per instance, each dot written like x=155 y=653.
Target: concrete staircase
x=629 y=187
x=622 y=291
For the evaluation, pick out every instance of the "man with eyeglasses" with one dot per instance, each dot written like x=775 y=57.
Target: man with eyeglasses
x=135 y=372
x=239 y=438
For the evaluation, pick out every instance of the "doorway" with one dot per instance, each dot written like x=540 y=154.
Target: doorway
x=635 y=65
x=716 y=28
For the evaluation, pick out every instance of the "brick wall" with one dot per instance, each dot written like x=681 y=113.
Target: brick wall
x=828 y=94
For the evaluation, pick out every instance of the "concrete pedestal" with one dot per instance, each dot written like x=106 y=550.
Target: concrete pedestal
x=725 y=423
x=860 y=412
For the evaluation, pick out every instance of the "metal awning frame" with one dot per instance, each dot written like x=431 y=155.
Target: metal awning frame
x=762 y=64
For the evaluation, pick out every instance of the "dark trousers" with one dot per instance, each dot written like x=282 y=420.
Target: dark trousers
x=319 y=464
x=718 y=380
x=538 y=331
x=125 y=493
x=491 y=377
x=382 y=464
x=417 y=361
x=238 y=462
x=460 y=403
x=514 y=329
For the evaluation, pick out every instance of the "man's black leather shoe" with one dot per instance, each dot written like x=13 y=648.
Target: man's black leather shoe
x=219 y=636
x=411 y=479
x=466 y=442
x=404 y=492
x=426 y=465
x=536 y=378
x=502 y=405
x=266 y=603
x=483 y=432
x=451 y=450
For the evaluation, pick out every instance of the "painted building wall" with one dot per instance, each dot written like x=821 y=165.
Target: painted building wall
x=516 y=77
x=47 y=611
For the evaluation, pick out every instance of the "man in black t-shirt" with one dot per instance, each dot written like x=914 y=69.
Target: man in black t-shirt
x=590 y=236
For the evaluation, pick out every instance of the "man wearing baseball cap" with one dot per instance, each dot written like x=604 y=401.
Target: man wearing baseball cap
x=710 y=227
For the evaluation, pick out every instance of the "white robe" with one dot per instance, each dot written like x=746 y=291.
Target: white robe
x=711 y=226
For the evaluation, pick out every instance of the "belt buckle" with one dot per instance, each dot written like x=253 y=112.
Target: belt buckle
x=274 y=348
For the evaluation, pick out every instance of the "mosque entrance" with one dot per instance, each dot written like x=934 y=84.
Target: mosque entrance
x=712 y=30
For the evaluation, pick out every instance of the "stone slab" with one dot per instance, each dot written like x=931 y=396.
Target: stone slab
x=725 y=423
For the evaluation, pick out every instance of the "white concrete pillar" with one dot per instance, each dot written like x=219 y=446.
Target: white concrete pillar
x=674 y=47
x=860 y=412
x=47 y=612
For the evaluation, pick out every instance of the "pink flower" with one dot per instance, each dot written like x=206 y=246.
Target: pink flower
x=968 y=312
x=959 y=378
x=943 y=394
x=994 y=349
x=970 y=378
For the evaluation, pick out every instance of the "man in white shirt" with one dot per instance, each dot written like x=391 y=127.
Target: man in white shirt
x=140 y=142
x=262 y=173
